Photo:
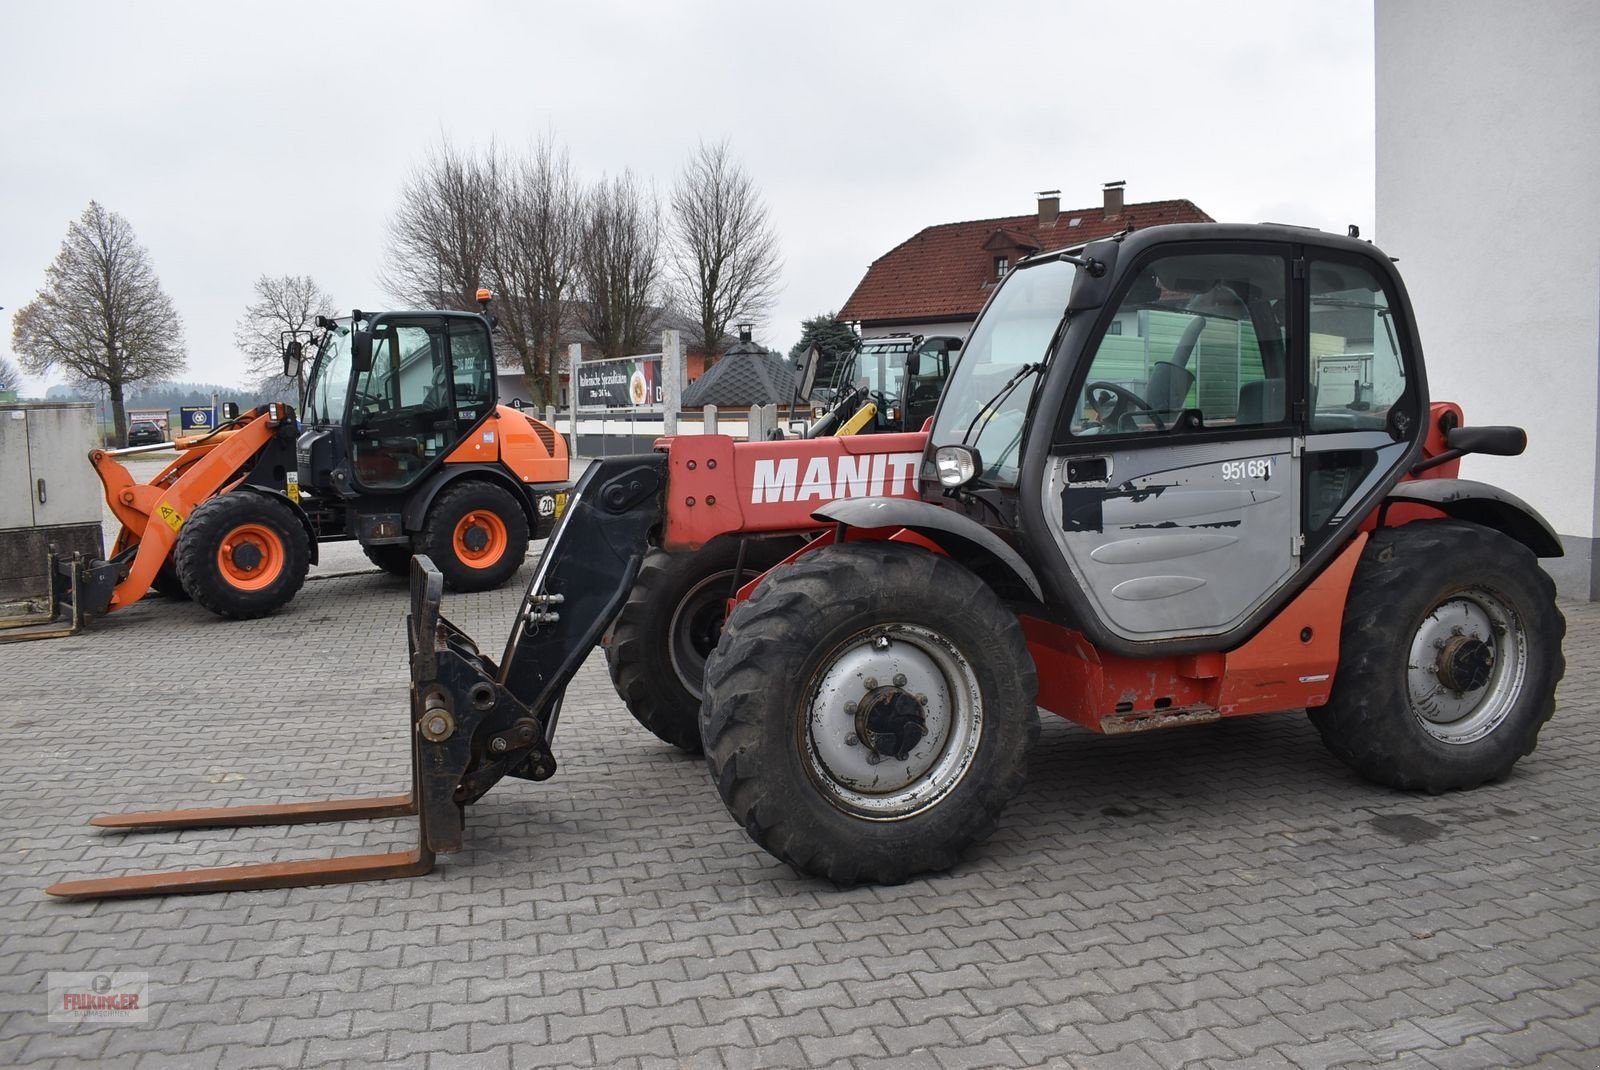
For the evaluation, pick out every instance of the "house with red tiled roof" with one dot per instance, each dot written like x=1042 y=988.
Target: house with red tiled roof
x=935 y=282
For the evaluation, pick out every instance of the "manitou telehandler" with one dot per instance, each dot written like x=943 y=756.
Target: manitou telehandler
x=402 y=447
x=1180 y=475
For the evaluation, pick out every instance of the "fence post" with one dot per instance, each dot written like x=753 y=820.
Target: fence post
x=673 y=374
x=710 y=426
x=574 y=361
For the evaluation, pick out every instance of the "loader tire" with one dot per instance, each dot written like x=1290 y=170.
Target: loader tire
x=671 y=623
x=933 y=742
x=477 y=535
x=167 y=584
x=242 y=555
x=1449 y=658
x=393 y=558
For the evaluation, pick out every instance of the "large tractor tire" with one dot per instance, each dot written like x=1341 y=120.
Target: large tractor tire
x=1449 y=658
x=477 y=535
x=671 y=623
x=242 y=555
x=393 y=558
x=868 y=712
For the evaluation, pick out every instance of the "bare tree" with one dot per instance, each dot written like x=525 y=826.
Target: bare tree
x=725 y=251
x=620 y=265
x=442 y=235
x=10 y=374
x=537 y=228
x=102 y=316
x=282 y=303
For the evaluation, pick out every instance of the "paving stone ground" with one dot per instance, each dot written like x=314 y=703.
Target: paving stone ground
x=1217 y=896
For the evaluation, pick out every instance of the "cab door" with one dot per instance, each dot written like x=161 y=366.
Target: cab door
x=402 y=416
x=1173 y=489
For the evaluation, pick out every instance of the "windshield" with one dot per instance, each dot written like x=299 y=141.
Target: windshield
x=883 y=370
x=979 y=408
x=330 y=379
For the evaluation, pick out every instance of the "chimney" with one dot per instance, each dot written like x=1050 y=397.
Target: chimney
x=744 y=332
x=1049 y=207
x=1114 y=198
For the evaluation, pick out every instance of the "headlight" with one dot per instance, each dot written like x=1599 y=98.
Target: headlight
x=957 y=465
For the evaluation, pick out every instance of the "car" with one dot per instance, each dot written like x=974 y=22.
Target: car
x=145 y=433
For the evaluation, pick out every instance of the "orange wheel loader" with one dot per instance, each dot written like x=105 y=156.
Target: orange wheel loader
x=402 y=447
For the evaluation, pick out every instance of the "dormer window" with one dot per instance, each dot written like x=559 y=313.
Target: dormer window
x=1002 y=264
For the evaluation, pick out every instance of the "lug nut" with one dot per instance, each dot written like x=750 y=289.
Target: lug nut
x=874 y=758
x=899 y=679
x=851 y=740
x=922 y=700
x=850 y=708
x=871 y=683
x=880 y=643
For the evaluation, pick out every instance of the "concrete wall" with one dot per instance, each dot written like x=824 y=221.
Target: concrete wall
x=1488 y=156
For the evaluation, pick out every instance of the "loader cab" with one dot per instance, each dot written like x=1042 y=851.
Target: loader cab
x=1178 y=428
x=904 y=375
x=390 y=395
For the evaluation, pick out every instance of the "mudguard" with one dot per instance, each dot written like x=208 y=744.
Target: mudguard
x=1485 y=504
x=273 y=492
x=950 y=530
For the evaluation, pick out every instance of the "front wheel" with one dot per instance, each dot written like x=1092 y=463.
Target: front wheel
x=1449 y=658
x=868 y=712
x=243 y=554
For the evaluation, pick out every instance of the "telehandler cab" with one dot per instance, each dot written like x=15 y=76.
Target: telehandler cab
x=1180 y=475
x=402 y=447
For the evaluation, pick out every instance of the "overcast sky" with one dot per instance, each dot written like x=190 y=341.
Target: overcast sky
x=248 y=138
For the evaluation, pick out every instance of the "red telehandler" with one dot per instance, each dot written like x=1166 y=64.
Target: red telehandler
x=1185 y=474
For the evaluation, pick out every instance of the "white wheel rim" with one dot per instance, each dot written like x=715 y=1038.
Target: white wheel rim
x=1480 y=624
x=916 y=662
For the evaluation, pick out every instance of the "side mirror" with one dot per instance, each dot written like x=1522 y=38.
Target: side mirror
x=361 y=350
x=808 y=372
x=913 y=364
x=293 y=353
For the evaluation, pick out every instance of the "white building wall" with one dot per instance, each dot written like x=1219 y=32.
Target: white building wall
x=1488 y=193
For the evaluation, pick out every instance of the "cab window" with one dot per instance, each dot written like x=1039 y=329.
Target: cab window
x=1356 y=371
x=1197 y=342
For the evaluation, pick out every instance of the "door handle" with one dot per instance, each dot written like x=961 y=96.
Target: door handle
x=1088 y=470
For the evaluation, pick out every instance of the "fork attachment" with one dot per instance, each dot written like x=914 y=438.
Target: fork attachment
x=79 y=589
x=472 y=723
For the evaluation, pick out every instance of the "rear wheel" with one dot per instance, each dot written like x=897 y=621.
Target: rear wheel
x=868 y=712
x=1449 y=658
x=477 y=535
x=395 y=558
x=242 y=555
x=671 y=623
x=167 y=582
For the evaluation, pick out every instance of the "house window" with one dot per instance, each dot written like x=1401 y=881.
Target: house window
x=1002 y=264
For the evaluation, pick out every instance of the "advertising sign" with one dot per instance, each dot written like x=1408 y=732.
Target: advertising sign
x=160 y=417
x=623 y=383
x=197 y=417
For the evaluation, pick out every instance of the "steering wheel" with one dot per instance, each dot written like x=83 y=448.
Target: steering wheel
x=1122 y=403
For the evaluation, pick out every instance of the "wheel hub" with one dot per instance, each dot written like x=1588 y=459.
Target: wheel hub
x=1465 y=663
x=890 y=722
x=246 y=555
x=475 y=538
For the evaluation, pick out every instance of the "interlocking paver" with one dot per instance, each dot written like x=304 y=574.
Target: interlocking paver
x=1220 y=896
